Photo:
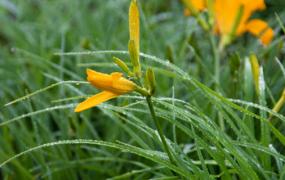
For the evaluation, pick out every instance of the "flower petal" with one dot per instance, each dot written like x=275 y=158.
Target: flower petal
x=225 y=13
x=194 y=5
x=114 y=82
x=91 y=75
x=198 y=4
x=260 y=29
x=254 y=5
x=116 y=75
x=95 y=100
x=99 y=80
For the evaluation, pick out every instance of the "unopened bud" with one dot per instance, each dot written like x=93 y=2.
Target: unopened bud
x=135 y=59
x=134 y=23
x=122 y=65
x=150 y=77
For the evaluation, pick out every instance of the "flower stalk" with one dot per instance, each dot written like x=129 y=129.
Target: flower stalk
x=159 y=129
x=114 y=84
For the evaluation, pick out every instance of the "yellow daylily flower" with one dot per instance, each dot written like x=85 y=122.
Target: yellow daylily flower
x=260 y=29
x=113 y=85
x=228 y=23
x=226 y=12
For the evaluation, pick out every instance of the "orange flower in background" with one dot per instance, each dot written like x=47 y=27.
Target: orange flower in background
x=113 y=85
x=194 y=5
x=260 y=29
x=226 y=13
x=198 y=4
x=227 y=20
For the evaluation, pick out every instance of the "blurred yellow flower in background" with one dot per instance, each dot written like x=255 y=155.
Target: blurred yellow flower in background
x=226 y=12
x=232 y=17
x=196 y=5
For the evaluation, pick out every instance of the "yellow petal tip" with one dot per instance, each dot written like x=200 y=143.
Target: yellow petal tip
x=78 y=108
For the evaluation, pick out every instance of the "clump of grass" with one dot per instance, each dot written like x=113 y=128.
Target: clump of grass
x=226 y=128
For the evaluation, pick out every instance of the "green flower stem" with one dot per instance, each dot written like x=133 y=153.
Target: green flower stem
x=142 y=91
x=216 y=62
x=159 y=129
x=217 y=53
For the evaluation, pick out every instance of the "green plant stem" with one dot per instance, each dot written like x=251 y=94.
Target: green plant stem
x=216 y=62
x=159 y=129
x=141 y=90
x=216 y=53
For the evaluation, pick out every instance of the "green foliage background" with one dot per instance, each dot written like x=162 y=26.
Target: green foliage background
x=118 y=139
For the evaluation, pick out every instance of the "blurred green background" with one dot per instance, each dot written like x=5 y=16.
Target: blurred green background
x=32 y=31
